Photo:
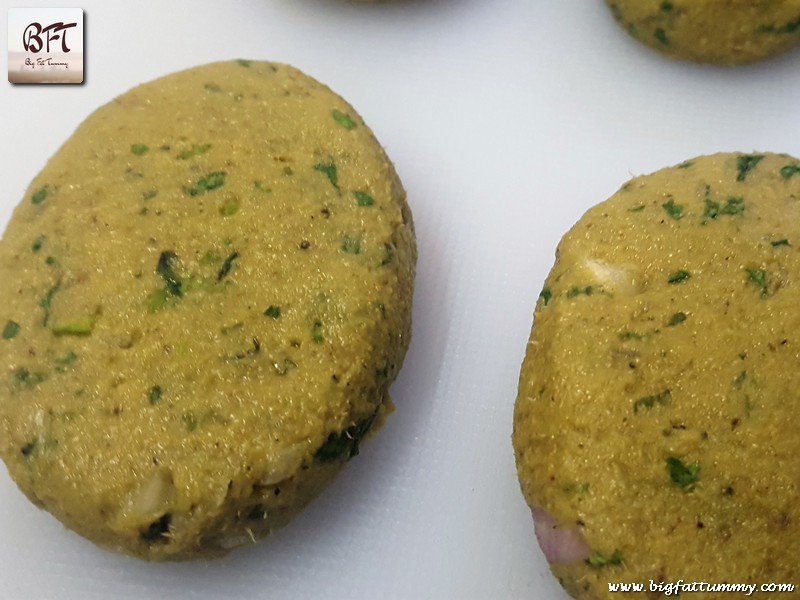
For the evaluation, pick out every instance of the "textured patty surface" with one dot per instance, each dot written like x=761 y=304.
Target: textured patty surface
x=658 y=400
x=206 y=295
x=714 y=31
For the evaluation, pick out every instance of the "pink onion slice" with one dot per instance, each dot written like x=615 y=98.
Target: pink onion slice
x=560 y=544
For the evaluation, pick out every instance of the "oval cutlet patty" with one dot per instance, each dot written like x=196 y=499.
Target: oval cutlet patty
x=655 y=427
x=207 y=293
x=727 y=32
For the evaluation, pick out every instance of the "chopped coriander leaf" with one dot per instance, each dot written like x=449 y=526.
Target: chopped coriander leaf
x=650 y=401
x=686 y=164
x=344 y=444
x=746 y=163
x=676 y=319
x=733 y=206
x=154 y=394
x=47 y=302
x=40 y=195
x=139 y=149
x=759 y=278
x=783 y=242
x=166 y=268
x=678 y=276
x=260 y=186
x=631 y=335
x=575 y=291
x=329 y=169
x=227 y=266
x=273 y=312
x=351 y=245
x=343 y=119
x=666 y=6
x=675 y=211
x=790 y=170
x=546 y=294
x=661 y=36
x=681 y=474
x=288 y=171
x=598 y=559
x=67 y=359
x=28 y=449
x=11 y=330
x=639 y=208
x=364 y=199
x=244 y=63
x=210 y=182
x=194 y=151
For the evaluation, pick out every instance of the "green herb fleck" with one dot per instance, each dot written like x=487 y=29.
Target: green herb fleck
x=38 y=242
x=329 y=169
x=759 y=278
x=208 y=183
x=194 y=151
x=576 y=291
x=790 y=170
x=740 y=379
x=783 y=242
x=47 y=301
x=49 y=261
x=733 y=206
x=650 y=401
x=154 y=395
x=166 y=268
x=231 y=207
x=344 y=444
x=316 y=333
x=364 y=199
x=139 y=149
x=678 y=276
x=189 y=422
x=674 y=210
x=29 y=449
x=273 y=312
x=244 y=63
x=661 y=36
x=631 y=335
x=746 y=163
x=25 y=377
x=40 y=195
x=69 y=358
x=351 y=245
x=227 y=266
x=681 y=474
x=343 y=119
x=686 y=164
x=676 y=319
x=576 y=488
x=288 y=171
x=598 y=559
x=546 y=294
x=11 y=330
x=260 y=186
x=666 y=6
x=639 y=208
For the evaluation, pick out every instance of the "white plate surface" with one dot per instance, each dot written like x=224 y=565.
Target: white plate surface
x=506 y=120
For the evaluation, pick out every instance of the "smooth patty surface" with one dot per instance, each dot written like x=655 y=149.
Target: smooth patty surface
x=715 y=31
x=655 y=429
x=206 y=295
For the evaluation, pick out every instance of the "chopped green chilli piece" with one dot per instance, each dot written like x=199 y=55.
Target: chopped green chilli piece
x=364 y=199
x=681 y=474
x=746 y=163
x=343 y=119
x=678 y=276
x=80 y=327
x=11 y=330
x=139 y=149
x=674 y=210
x=40 y=195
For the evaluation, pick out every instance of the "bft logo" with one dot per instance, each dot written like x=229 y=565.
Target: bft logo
x=32 y=36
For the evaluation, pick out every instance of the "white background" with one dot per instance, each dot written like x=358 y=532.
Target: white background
x=506 y=120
